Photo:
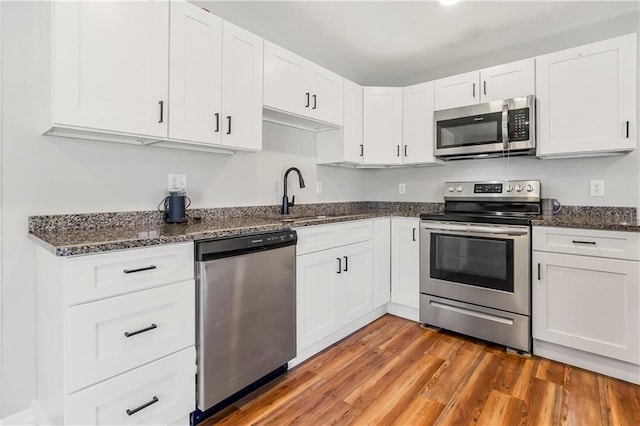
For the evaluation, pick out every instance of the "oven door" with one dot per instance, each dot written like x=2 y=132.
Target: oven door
x=482 y=264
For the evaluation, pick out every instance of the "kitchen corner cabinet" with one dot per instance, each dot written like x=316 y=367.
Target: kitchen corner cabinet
x=334 y=278
x=405 y=262
x=344 y=146
x=215 y=85
x=110 y=78
x=297 y=86
x=116 y=336
x=489 y=84
x=382 y=125
x=586 y=99
x=586 y=299
x=417 y=124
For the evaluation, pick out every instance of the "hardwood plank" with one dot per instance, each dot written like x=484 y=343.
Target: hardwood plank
x=495 y=409
x=550 y=371
x=521 y=387
x=620 y=403
x=544 y=403
x=419 y=411
x=581 y=406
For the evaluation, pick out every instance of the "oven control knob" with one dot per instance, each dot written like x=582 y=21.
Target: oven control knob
x=452 y=188
x=529 y=188
x=519 y=188
x=459 y=188
x=509 y=188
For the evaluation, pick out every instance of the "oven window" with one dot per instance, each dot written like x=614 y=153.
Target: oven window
x=476 y=261
x=465 y=131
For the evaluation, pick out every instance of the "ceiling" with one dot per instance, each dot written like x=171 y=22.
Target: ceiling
x=396 y=43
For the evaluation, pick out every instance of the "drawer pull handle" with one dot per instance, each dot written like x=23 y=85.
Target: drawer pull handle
x=593 y=243
x=133 y=271
x=339 y=265
x=346 y=264
x=142 y=407
x=133 y=333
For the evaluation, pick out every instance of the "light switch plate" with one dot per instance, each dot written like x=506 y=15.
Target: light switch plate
x=596 y=188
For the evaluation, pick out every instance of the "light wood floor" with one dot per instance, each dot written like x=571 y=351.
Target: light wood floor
x=394 y=372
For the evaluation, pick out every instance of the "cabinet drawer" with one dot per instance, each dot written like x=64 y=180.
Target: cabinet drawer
x=614 y=244
x=170 y=381
x=99 y=276
x=110 y=336
x=322 y=237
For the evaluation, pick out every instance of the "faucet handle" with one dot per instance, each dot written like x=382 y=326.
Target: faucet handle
x=293 y=200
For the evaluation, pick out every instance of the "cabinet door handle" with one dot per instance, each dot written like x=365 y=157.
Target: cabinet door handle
x=398 y=151
x=131 y=411
x=593 y=243
x=538 y=271
x=142 y=330
x=161 y=111
x=307 y=97
x=474 y=90
x=339 y=264
x=414 y=234
x=627 y=129
x=484 y=86
x=229 y=124
x=145 y=268
x=346 y=264
x=361 y=150
x=217 y=114
x=314 y=102
x=405 y=150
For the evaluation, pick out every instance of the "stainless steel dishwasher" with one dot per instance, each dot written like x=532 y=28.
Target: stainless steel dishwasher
x=246 y=312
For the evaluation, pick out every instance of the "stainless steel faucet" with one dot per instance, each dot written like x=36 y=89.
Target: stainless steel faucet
x=285 y=199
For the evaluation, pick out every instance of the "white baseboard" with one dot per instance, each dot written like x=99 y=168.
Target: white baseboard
x=356 y=325
x=24 y=417
x=403 y=311
x=597 y=363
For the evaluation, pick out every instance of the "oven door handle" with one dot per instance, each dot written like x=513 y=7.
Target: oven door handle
x=489 y=230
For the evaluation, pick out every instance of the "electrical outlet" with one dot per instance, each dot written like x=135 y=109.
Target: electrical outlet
x=596 y=188
x=402 y=188
x=177 y=182
x=318 y=187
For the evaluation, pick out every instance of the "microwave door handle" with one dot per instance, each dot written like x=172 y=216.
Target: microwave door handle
x=505 y=127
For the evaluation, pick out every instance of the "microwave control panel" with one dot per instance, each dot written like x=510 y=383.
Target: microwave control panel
x=519 y=124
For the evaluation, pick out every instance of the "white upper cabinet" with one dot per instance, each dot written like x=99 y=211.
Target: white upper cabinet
x=352 y=124
x=417 y=128
x=215 y=80
x=111 y=75
x=586 y=99
x=295 y=85
x=382 y=125
x=242 y=60
x=196 y=74
x=500 y=82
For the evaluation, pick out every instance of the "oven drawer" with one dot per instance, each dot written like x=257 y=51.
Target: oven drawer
x=505 y=328
x=587 y=242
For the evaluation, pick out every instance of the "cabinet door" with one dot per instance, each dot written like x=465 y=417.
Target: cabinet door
x=357 y=280
x=507 y=81
x=457 y=90
x=586 y=98
x=111 y=74
x=326 y=90
x=382 y=125
x=405 y=262
x=284 y=83
x=242 y=61
x=381 y=261
x=319 y=305
x=587 y=303
x=417 y=129
x=352 y=125
x=195 y=74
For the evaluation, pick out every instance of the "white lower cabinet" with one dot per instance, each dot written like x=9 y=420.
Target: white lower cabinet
x=405 y=267
x=116 y=336
x=586 y=300
x=381 y=261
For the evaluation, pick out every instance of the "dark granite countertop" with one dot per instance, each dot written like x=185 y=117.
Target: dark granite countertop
x=598 y=218
x=71 y=235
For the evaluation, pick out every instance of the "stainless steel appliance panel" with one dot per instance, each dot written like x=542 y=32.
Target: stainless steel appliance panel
x=517 y=301
x=500 y=327
x=246 y=326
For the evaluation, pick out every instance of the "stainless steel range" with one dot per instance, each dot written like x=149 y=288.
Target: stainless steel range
x=475 y=266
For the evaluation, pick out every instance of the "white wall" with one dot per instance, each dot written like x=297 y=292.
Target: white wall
x=47 y=175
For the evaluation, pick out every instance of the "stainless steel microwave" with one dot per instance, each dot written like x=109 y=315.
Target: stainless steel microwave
x=492 y=129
